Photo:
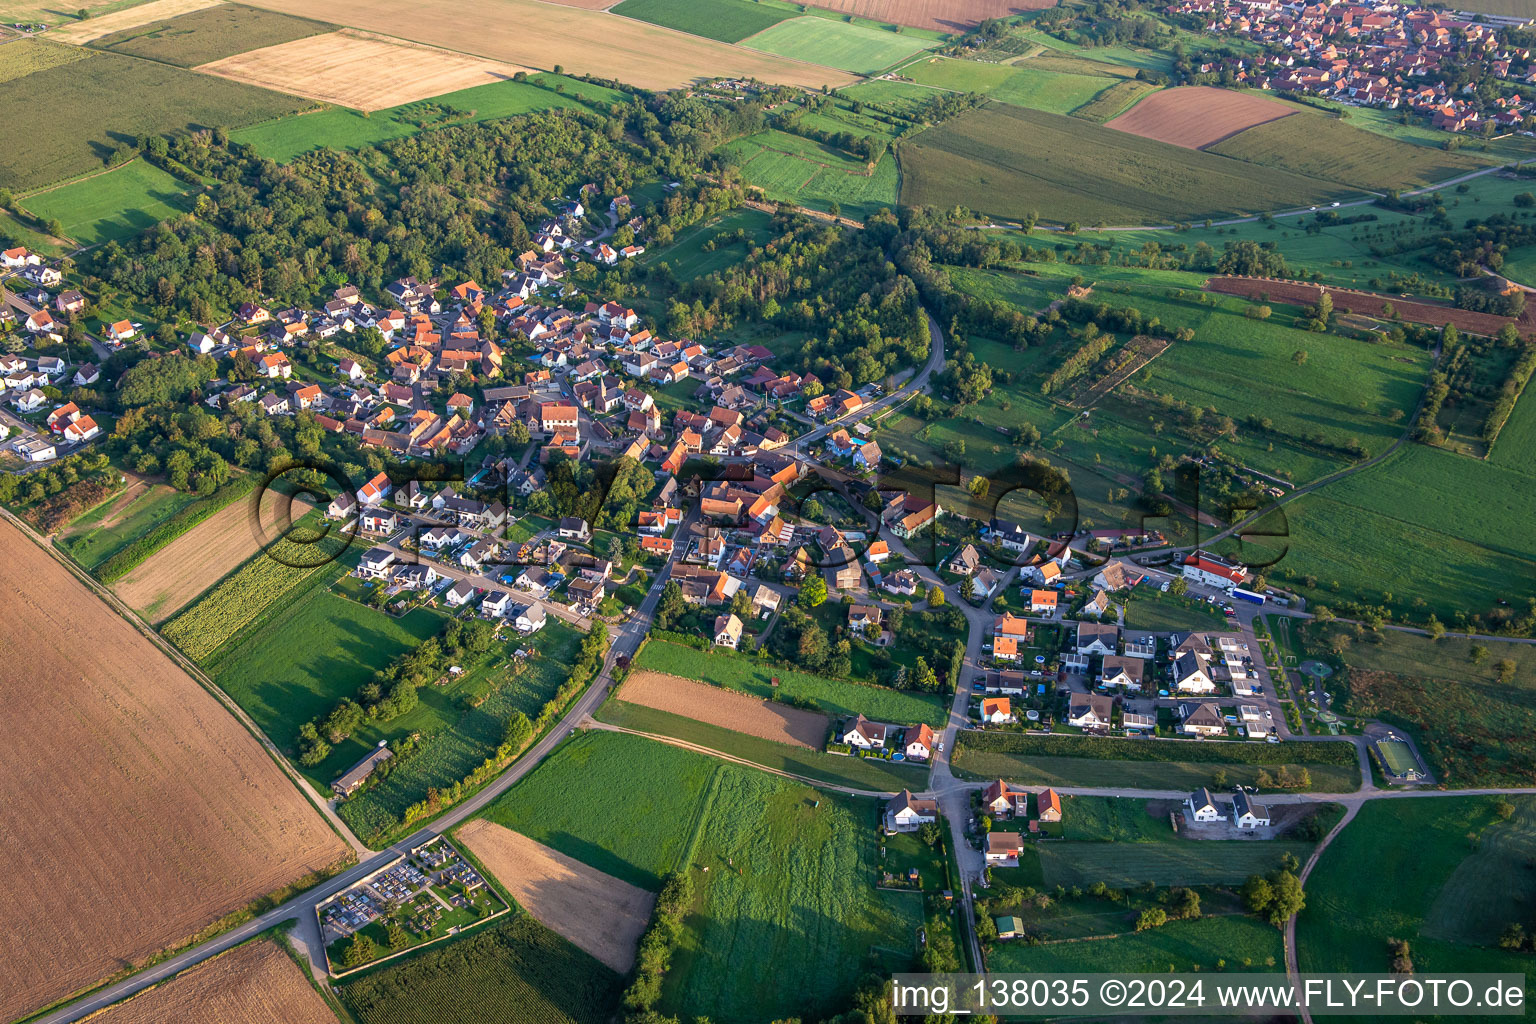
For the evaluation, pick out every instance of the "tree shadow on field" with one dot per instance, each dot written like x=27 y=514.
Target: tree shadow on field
x=606 y=861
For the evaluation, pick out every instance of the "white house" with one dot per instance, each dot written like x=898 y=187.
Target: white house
x=906 y=813
x=1003 y=849
x=496 y=604
x=1246 y=814
x=1090 y=711
x=1190 y=676
x=727 y=630
x=918 y=743
x=376 y=564
x=1097 y=638
x=1205 y=568
x=862 y=733
x=1202 y=807
x=460 y=594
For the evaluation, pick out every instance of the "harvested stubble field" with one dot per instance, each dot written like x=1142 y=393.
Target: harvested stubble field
x=132 y=17
x=255 y=983
x=175 y=575
x=583 y=42
x=937 y=15
x=735 y=711
x=1197 y=116
x=1371 y=304
x=176 y=815
x=345 y=68
x=595 y=911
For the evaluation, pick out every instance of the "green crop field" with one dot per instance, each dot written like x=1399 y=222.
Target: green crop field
x=90 y=543
x=1406 y=869
x=796 y=170
x=1012 y=162
x=789 y=884
x=464 y=723
x=284 y=138
x=23 y=57
x=790 y=879
x=730 y=21
x=640 y=839
x=1326 y=147
x=1245 y=943
x=1114 y=101
x=108 y=97
x=705 y=248
x=1445 y=523
x=837 y=44
x=1142 y=764
x=833 y=696
x=114 y=205
x=210 y=34
x=901 y=97
x=1179 y=862
x=515 y=970
x=301 y=657
x=241 y=597
x=1516 y=447
x=858 y=773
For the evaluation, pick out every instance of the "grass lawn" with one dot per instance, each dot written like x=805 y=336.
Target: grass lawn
x=1149 y=608
x=1177 y=946
x=834 y=44
x=90 y=543
x=1177 y=862
x=705 y=248
x=1406 y=869
x=284 y=138
x=833 y=696
x=1156 y=764
x=790 y=879
x=293 y=664
x=115 y=205
x=797 y=170
x=856 y=772
x=729 y=21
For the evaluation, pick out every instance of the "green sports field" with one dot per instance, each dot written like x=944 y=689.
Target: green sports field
x=837 y=44
x=113 y=205
x=210 y=34
x=729 y=21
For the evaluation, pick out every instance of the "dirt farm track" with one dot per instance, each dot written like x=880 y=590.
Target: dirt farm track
x=176 y=815
x=255 y=983
x=725 y=708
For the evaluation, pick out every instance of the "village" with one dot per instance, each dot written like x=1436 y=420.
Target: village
x=1387 y=55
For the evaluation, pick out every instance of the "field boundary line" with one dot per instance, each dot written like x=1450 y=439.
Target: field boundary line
x=198 y=676
x=593 y=723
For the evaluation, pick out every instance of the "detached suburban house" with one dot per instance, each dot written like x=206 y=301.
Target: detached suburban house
x=1202 y=807
x=905 y=813
x=860 y=732
x=918 y=743
x=1246 y=814
x=1003 y=849
x=1202 y=720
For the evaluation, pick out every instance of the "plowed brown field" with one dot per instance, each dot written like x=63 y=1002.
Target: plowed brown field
x=939 y=15
x=256 y=983
x=1372 y=304
x=169 y=579
x=1198 y=115
x=735 y=711
x=597 y=912
x=134 y=810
